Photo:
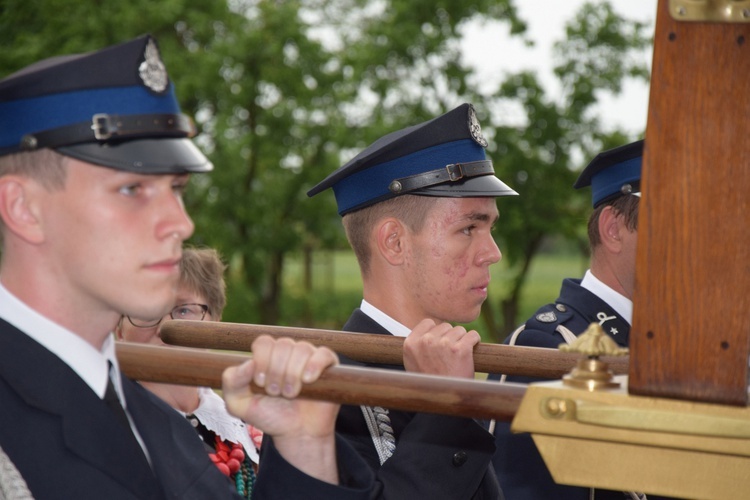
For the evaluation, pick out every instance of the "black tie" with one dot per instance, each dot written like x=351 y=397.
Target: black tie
x=113 y=402
x=110 y=397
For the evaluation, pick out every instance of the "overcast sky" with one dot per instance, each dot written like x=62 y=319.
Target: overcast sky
x=545 y=20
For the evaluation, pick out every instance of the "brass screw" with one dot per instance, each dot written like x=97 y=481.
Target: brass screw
x=556 y=407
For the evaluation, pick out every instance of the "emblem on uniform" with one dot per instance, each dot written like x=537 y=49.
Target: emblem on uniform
x=546 y=317
x=561 y=308
x=152 y=71
x=475 y=129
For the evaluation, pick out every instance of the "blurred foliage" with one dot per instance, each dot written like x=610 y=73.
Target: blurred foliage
x=284 y=92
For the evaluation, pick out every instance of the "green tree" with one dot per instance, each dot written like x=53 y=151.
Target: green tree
x=285 y=91
x=542 y=158
x=279 y=89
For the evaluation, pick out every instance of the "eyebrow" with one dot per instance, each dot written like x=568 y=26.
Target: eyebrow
x=480 y=216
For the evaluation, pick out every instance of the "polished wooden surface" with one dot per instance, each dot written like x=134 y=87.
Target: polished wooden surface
x=370 y=348
x=340 y=384
x=691 y=338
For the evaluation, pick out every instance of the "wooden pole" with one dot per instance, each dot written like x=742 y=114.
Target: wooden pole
x=339 y=384
x=371 y=348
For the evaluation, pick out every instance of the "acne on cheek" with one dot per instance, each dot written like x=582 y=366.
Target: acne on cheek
x=456 y=271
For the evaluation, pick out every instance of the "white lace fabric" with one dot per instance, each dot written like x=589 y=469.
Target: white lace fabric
x=212 y=413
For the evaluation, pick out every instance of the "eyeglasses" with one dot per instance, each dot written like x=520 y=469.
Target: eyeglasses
x=195 y=312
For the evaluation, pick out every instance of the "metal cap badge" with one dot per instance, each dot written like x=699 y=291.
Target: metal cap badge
x=114 y=107
x=442 y=157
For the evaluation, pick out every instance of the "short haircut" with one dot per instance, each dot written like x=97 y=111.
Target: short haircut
x=47 y=167
x=202 y=271
x=411 y=210
x=624 y=206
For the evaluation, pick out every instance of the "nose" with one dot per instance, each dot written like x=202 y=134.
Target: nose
x=176 y=223
x=490 y=253
x=186 y=226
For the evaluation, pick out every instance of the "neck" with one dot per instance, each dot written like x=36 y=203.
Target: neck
x=608 y=274
x=85 y=318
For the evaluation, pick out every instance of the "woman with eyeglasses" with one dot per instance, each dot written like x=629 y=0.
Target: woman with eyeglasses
x=201 y=296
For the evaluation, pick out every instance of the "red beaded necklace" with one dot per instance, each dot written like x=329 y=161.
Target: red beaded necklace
x=233 y=463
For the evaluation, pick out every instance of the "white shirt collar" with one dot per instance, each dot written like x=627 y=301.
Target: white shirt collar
x=617 y=301
x=82 y=357
x=381 y=318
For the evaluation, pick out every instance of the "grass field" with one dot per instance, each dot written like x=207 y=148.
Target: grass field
x=336 y=287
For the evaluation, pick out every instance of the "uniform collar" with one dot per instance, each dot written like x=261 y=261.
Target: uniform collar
x=82 y=357
x=394 y=327
x=621 y=304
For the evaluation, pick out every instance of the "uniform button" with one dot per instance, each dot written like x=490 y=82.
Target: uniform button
x=561 y=308
x=460 y=458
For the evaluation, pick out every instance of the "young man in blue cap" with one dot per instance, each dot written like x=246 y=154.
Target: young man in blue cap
x=603 y=296
x=418 y=206
x=94 y=157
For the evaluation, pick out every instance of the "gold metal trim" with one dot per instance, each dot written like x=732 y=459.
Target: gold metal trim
x=720 y=11
x=624 y=417
x=611 y=439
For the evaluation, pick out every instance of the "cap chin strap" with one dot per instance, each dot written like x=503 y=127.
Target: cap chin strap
x=105 y=127
x=450 y=173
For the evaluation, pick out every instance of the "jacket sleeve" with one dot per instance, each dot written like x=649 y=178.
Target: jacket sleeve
x=278 y=479
x=440 y=457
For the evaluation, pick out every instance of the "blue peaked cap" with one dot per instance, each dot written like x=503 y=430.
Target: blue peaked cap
x=613 y=173
x=115 y=107
x=443 y=157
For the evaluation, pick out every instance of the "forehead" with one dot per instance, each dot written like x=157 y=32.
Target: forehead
x=187 y=294
x=461 y=209
x=94 y=174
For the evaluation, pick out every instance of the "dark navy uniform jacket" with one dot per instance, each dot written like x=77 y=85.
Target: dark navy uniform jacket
x=518 y=465
x=66 y=443
x=277 y=479
x=574 y=310
x=436 y=456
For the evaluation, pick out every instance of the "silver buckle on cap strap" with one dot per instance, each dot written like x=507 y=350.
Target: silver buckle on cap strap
x=104 y=127
x=453 y=172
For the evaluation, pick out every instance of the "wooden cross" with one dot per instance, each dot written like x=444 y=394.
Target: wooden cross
x=691 y=309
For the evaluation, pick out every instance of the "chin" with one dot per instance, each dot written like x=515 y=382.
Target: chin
x=463 y=317
x=472 y=317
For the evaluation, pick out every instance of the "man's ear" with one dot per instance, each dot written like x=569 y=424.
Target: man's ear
x=390 y=237
x=19 y=207
x=610 y=227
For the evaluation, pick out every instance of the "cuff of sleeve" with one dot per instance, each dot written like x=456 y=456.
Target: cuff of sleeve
x=277 y=478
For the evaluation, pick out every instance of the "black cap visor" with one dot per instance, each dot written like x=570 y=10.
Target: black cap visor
x=474 y=187
x=143 y=156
